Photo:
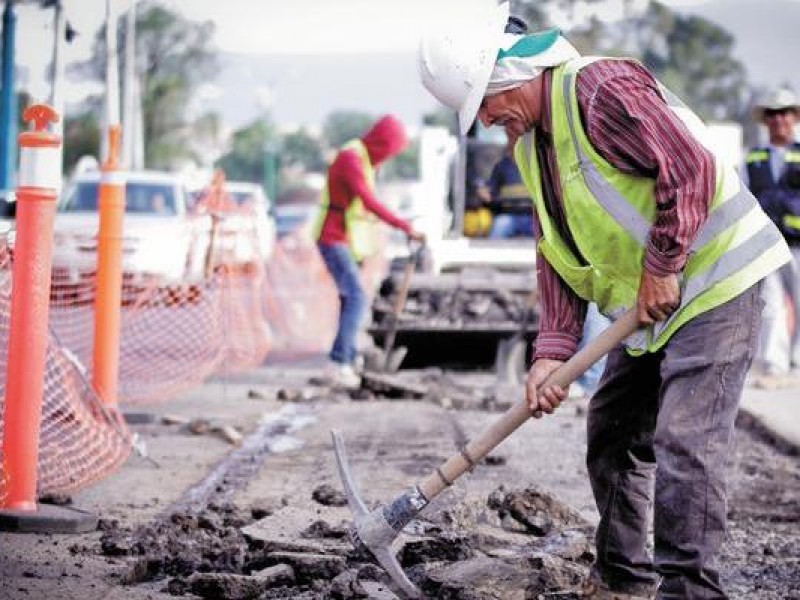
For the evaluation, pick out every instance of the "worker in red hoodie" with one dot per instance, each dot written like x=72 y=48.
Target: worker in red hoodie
x=346 y=231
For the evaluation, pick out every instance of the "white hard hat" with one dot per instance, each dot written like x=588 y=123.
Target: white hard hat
x=775 y=100
x=455 y=65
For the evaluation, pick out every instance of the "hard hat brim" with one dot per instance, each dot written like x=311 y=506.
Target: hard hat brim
x=758 y=111
x=495 y=28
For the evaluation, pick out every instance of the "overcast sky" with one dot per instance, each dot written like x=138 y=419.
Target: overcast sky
x=330 y=27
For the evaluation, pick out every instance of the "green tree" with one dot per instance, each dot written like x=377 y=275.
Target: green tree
x=300 y=148
x=693 y=57
x=245 y=159
x=174 y=56
x=343 y=126
x=82 y=134
x=690 y=55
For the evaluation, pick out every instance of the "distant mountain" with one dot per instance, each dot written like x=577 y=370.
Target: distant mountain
x=304 y=89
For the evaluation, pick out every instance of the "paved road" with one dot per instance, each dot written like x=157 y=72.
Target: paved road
x=392 y=443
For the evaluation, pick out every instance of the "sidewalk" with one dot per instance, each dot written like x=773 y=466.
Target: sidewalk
x=774 y=404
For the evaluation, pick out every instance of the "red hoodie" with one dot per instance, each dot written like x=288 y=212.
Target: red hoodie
x=346 y=181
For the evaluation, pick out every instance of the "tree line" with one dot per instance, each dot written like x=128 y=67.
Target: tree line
x=175 y=56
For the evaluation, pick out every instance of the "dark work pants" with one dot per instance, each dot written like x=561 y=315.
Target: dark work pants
x=669 y=416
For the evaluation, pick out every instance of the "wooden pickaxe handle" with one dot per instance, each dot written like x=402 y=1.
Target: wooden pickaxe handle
x=475 y=450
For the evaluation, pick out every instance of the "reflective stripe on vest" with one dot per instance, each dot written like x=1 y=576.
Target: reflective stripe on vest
x=359 y=224
x=791 y=156
x=734 y=248
x=757 y=156
x=792 y=222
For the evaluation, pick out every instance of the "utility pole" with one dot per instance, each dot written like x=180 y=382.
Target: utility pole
x=130 y=85
x=8 y=111
x=57 y=89
x=111 y=116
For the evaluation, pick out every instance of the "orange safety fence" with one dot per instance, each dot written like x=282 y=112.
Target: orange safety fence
x=80 y=440
x=174 y=335
x=301 y=300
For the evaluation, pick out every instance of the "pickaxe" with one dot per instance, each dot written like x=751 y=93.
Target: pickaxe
x=376 y=530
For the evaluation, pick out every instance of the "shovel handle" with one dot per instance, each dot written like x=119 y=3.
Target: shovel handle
x=475 y=450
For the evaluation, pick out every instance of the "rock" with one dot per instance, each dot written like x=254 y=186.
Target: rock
x=323 y=529
x=346 y=585
x=225 y=586
x=495 y=460
x=481 y=577
x=256 y=395
x=448 y=546
x=308 y=566
x=199 y=426
x=275 y=576
x=327 y=495
x=535 y=511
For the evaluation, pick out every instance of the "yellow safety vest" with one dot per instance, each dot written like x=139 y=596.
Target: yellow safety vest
x=609 y=214
x=360 y=225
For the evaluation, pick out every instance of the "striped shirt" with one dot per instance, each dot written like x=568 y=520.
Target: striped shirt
x=630 y=125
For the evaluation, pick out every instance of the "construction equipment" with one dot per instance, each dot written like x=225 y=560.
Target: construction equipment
x=376 y=530
x=474 y=293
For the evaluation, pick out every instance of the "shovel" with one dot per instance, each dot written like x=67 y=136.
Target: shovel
x=376 y=530
x=391 y=360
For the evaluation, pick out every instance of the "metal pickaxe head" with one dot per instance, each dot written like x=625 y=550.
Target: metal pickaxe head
x=377 y=530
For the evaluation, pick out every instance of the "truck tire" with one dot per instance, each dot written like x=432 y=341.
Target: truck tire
x=511 y=360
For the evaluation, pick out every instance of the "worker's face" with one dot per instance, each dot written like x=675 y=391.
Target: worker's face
x=502 y=110
x=780 y=124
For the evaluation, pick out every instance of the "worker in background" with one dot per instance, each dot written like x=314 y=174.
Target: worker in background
x=632 y=211
x=346 y=232
x=477 y=215
x=773 y=174
x=508 y=199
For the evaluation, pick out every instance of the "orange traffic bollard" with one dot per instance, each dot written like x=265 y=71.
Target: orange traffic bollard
x=39 y=175
x=30 y=304
x=108 y=298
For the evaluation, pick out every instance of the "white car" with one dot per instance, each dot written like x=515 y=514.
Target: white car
x=253 y=215
x=298 y=217
x=162 y=242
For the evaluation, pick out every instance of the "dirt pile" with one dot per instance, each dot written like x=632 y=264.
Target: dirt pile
x=523 y=544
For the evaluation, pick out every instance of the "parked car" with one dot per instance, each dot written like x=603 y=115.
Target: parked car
x=253 y=213
x=161 y=240
x=295 y=217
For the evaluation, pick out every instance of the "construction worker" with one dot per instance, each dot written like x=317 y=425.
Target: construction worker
x=773 y=174
x=346 y=233
x=508 y=199
x=633 y=211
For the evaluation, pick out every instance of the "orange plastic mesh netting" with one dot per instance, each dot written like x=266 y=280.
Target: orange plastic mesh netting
x=80 y=441
x=301 y=300
x=176 y=335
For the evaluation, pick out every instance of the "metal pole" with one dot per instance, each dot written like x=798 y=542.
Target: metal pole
x=112 y=75
x=129 y=89
x=8 y=109
x=57 y=90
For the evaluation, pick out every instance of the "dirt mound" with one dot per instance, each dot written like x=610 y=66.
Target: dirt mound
x=535 y=545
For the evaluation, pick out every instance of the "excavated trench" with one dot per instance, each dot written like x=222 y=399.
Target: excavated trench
x=516 y=543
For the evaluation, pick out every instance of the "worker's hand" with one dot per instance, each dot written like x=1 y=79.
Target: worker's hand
x=548 y=399
x=416 y=236
x=658 y=297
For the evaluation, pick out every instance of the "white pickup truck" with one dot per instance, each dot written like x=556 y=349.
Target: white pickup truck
x=162 y=241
